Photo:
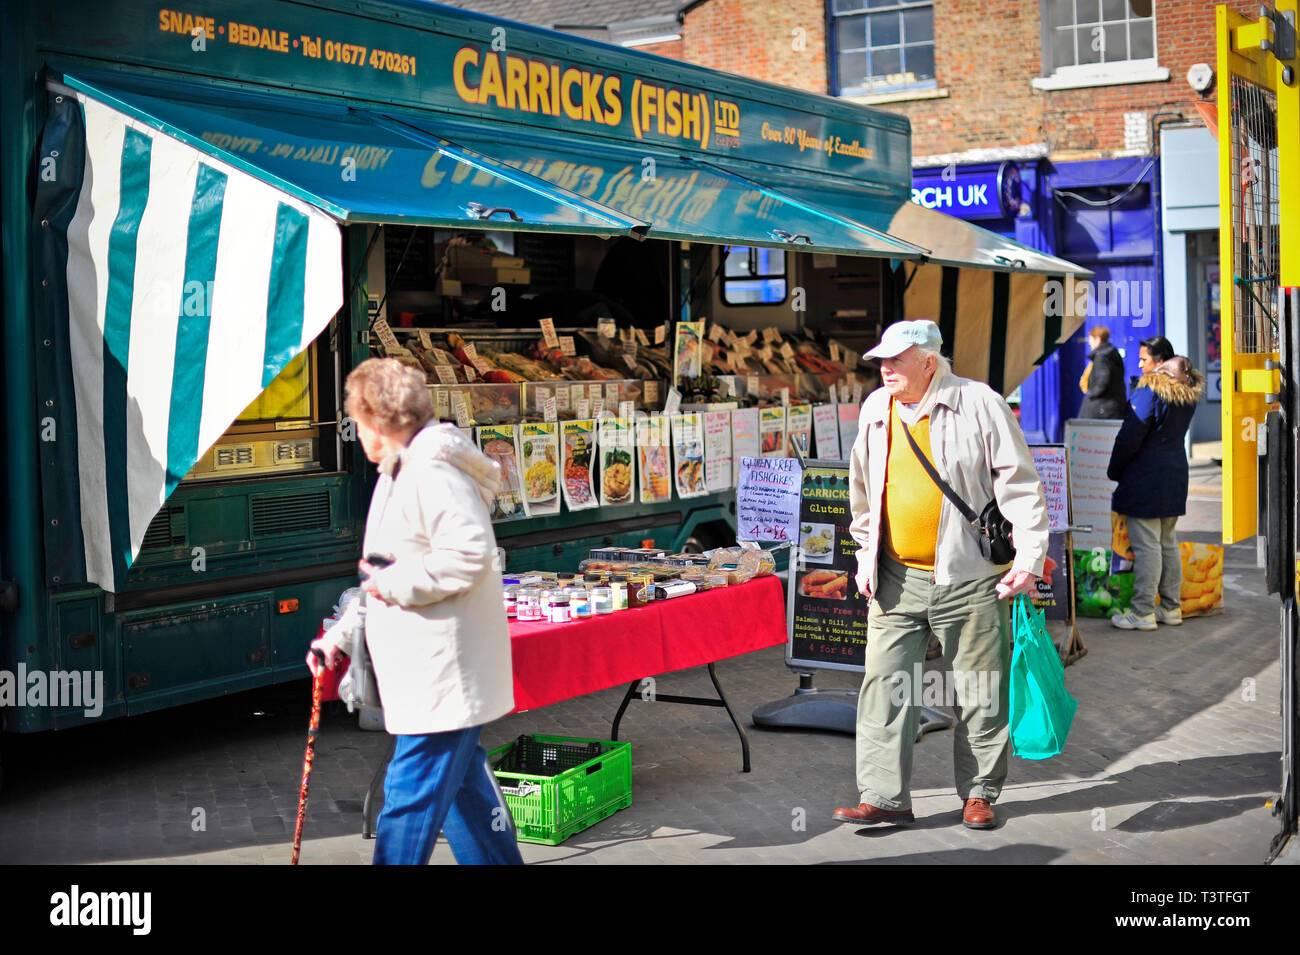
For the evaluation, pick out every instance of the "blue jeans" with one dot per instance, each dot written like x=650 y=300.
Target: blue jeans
x=442 y=781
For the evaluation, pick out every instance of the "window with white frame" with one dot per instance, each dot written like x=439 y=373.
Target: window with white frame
x=1090 y=42
x=882 y=46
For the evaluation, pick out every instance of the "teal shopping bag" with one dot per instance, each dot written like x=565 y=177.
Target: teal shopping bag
x=1041 y=709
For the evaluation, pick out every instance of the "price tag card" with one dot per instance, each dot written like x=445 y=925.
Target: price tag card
x=567 y=346
x=724 y=387
x=441 y=404
x=548 y=333
x=661 y=333
x=612 y=393
x=461 y=409
x=751 y=337
x=857 y=392
x=835 y=398
x=716 y=332
x=549 y=411
x=470 y=373
x=641 y=337
x=765 y=353
x=751 y=384
x=584 y=409
x=672 y=402
x=481 y=366
x=652 y=392
x=785 y=397
x=595 y=391
x=446 y=374
x=386 y=336
x=440 y=357
x=835 y=352
x=597 y=407
x=425 y=340
x=770 y=334
x=629 y=353
x=605 y=327
x=786 y=351
x=562 y=398
x=627 y=410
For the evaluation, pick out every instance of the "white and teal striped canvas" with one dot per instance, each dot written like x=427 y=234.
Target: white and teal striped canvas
x=191 y=284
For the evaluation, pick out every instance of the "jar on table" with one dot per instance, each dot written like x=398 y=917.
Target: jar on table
x=528 y=605
x=602 y=600
x=546 y=596
x=510 y=599
x=640 y=589
x=565 y=580
x=579 y=602
x=592 y=580
x=618 y=587
x=558 y=611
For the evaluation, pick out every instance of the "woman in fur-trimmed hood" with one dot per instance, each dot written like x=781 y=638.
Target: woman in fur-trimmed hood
x=1149 y=464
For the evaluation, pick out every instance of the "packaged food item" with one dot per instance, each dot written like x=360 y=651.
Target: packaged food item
x=579 y=603
x=640 y=588
x=592 y=580
x=528 y=606
x=558 y=611
x=674 y=588
x=741 y=564
x=618 y=587
x=510 y=599
x=602 y=600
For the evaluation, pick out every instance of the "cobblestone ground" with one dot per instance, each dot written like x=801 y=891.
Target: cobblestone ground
x=1171 y=760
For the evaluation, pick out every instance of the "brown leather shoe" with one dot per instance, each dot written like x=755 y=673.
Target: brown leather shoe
x=978 y=814
x=865 y=814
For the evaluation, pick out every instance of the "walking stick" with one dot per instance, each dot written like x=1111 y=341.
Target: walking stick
x=312 y=726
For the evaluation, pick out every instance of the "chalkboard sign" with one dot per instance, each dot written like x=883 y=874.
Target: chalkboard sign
x=1052 y=463
x=767 y=499
x=825 y=615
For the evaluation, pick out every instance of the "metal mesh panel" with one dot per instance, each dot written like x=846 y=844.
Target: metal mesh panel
x=1255 y=216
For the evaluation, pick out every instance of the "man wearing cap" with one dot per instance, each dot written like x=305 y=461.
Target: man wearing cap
x=919 y=562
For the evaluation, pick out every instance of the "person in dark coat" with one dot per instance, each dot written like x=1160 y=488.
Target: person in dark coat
x=1103 y=382
x=1149 y=463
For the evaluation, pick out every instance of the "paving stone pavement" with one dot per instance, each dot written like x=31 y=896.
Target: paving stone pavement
x=1171 y=759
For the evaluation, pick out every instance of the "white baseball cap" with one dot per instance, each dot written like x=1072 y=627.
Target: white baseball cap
x=901 y=336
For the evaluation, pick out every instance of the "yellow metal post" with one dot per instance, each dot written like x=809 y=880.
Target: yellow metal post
x=1246 y=375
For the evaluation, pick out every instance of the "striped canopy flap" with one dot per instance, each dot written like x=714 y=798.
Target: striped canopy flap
x=189 y=286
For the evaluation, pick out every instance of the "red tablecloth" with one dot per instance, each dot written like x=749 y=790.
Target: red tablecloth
x=558 y=661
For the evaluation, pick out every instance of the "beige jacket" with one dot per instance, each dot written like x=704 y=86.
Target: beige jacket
x=979 y=449
x=439 y=641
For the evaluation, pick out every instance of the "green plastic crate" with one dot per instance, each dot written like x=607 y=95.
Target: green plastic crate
x=558 y=785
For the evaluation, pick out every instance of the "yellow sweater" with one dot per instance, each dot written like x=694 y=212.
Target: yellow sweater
x=912 y=499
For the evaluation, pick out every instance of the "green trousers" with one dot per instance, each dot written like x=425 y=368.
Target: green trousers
x=973 y=627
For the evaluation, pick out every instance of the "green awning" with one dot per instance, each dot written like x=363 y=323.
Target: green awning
x=681 y=198
x=350 y=164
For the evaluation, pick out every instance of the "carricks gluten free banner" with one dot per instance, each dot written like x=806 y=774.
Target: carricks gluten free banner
x=828 y=617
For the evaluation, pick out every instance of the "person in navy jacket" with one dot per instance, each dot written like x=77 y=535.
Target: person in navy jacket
x=1149 y=464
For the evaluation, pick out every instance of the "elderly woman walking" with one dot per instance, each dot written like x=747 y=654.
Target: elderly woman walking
x=435 y=625
x=1149 y=464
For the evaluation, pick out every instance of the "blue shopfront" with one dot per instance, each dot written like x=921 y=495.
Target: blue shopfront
x=1101 y=214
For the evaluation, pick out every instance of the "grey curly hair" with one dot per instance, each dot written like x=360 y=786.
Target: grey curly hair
x=392 y=395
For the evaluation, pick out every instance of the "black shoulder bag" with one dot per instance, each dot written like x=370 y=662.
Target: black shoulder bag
x=994 y=529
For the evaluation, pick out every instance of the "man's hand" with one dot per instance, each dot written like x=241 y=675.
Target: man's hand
x=1015 y=582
